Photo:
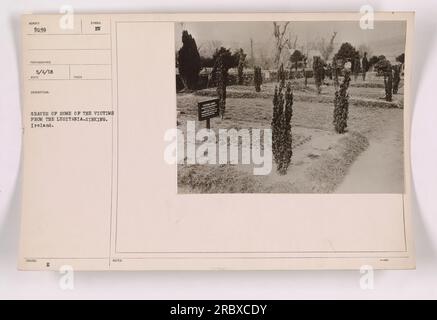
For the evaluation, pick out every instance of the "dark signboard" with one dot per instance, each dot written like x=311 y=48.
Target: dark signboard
x=208 y=109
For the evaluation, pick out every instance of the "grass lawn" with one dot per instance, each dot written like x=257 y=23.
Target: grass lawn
x=321 y=158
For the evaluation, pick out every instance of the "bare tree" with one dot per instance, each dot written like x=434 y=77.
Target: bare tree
x=364 y=48
x=326 y=49
x=294 y=44
x=280 y=40
x=264 y=57
x=208 y=48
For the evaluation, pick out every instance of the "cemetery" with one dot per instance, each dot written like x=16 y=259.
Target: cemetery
x=333 y=113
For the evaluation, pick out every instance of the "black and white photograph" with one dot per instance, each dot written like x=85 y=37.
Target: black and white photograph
x=290 y=106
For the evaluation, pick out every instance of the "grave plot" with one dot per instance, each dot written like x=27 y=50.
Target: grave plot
x=334 y=115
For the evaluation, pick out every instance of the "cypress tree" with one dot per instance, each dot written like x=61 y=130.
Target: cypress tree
x=356 y=67
x=223 y=60
x=281 y=128
x=396 y=78
x=222 y=79
x=257 y=78
x=384 y=66
x=388 y=80
x=286 y=137
x=281 y=76
x=189 y=61
x=278 y=105
x=241 y=65
x=335 y=72
x=318 y=73
x=365 y=65
x=341 y=105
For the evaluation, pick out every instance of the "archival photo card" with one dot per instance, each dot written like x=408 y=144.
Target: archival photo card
x=245 y=141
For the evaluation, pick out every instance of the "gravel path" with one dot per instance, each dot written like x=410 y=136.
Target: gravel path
x=379 y=169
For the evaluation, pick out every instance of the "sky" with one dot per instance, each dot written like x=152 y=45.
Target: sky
x=387 y=37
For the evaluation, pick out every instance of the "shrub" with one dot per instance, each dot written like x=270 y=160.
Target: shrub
x=388 y=82
x=281 y=76
x=229 y=60
x=223 y=61
x=401 y=58
x=206 y=62
x=318 y=67
x=241 y=65
x=341 y=105
x=346 y=52
x=365 y=65
x=356 y=66
x=335 y=71
x=396 y=78
x=257 y=78
x=384 y=66
x=189 y=61
x=373 y=61
x=281 y=128
x=296 y=59
x=329 y=71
